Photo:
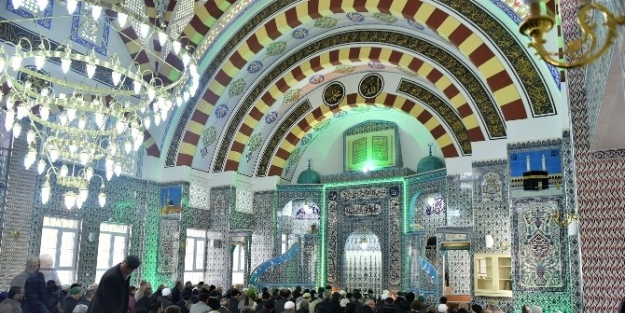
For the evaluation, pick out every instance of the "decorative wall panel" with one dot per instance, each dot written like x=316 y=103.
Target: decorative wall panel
x=219 y=258
x=263 y=228
x=460 y=271
x=199 y=194
x=539 y=245
x=168 y=245
x=459 y=200
x=289 y=197
x=491 y=216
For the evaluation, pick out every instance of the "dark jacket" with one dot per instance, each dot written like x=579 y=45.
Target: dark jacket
x=144 y=302
x=112 y=293
x=36 y=293
x=175 y=295
x=402 y=306
x=364 y=309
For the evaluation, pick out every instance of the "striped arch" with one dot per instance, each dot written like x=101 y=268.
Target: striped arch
x=135 y=49
x=272 y=161
x=331 y=58
x=282 y=22
x=150 y=144
x=238 y=131
x=206 y=15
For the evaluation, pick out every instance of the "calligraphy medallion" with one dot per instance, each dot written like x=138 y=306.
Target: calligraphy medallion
x=371 y=86
x=333 y=94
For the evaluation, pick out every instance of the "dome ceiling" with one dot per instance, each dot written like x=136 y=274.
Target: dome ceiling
x=262 y=80
x=459 y=68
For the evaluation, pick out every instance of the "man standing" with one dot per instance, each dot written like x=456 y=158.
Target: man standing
x=114 y=288
x=35 y=289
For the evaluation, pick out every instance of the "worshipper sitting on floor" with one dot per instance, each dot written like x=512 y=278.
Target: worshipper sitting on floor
x=12 y=304
x=145 y=300
x=87 y=298
x=165 y=298
x=72 y=299
x=80 y=308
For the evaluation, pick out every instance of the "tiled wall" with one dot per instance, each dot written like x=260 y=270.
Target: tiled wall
x=600 y=192
x=263 y=228
x=491 y=215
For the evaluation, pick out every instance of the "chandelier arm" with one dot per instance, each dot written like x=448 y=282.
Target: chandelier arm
x=582 y=51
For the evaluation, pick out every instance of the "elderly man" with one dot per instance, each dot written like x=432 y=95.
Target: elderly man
x=35 y=289
x=114 y=288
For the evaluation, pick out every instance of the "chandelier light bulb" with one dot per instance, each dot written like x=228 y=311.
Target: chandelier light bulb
x=17 y=130
x=90 y=70
x=71 y=114
x=89 y=173
x=9 y=120
x=99 y=119
x=162 y=38
x=151 y=93
x=84 y=157
x=102 y=199
x=113 y=151
x=66 y=64
x=64 y=170
x=22 y=112
x=134 y=132
x=70 y=200
x=63 y=119
x=44 y=112
x=40 y=60
x=72 y=148
x=109 y=174
x=117 y=77
x=137 y=87
x=146 y=123
x=163 y=115
x=118 y=170
x=53 y=153
x=41 y=166
x=176 y=45
x=127 y=147
x=144 y=29
x=79 y=202
x=137 y=143
x=186 y=59
x=82 y=123
x=157 y=119
x=16 y=62
x=186 y=96
x=45 y=191
x=121 y=19
x=9 y=102
x=108 y=164
x=83 y=194
x=2 y=64
x=71 y=6
x=120 y=127
x=43 y=4
x=17 y=4
x=30 y=136
x=30 y=158
x=96 y=11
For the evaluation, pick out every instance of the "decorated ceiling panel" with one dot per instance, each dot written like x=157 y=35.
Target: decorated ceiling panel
x=507 y=92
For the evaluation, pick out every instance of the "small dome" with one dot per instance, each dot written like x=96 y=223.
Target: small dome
x=309 y=176
x=430 y=163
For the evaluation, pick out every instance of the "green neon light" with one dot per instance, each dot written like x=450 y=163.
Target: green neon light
x=406 y=208
x=322 y=232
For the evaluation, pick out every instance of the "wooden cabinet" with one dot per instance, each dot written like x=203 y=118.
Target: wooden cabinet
x=492 y=275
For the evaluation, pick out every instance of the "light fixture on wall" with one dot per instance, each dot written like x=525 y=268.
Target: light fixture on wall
x=431 y=200
x=489 y=241
x=307 y=209
x=570 y=221
x=583 y=51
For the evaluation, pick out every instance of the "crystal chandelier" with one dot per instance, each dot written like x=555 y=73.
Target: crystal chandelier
x=73 y=124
